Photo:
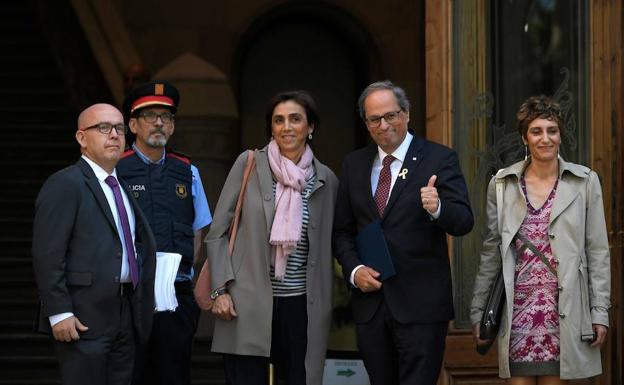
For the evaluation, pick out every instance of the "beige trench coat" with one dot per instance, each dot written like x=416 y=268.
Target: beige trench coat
x=247 y=271
x=578 y=237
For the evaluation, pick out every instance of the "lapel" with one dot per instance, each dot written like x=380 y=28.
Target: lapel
x=413 y=157
x=139 y=220
x=514 y=203
x=265 y=181
x=514 y=209
x=94 y=185
x=566 y=192
x=565 y=195
x=362 y=178
x=321 y=176
x=567 y=189
x=315 y=205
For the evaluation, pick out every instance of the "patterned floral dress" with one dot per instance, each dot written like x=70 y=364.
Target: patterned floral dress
x=534 y=338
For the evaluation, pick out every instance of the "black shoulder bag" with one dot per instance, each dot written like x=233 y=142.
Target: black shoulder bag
x=492 y=314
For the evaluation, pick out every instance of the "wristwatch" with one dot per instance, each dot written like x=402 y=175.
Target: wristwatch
x=217 y=292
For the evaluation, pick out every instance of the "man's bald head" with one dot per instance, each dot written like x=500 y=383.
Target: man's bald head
x=91 y=114
x=103 y=149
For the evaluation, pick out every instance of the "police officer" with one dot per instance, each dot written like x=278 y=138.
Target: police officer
x=170 y=193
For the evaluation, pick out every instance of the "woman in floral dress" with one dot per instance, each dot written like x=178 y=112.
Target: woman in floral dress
x=554 y=253
x=534 y=344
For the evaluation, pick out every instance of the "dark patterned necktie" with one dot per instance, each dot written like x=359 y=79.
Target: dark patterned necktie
x=383 y=186
x=125 y=226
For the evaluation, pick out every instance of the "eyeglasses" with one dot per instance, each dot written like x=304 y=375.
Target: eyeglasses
x=152 y=117
x=389 y=117
x=106 y=128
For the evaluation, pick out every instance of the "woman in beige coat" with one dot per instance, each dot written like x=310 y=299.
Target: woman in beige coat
x=554 y=252
x=273 y=297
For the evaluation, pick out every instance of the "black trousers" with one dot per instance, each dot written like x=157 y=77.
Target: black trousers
x=405 y=354
x=106 y=360
x=166 y=358
x=289 y=341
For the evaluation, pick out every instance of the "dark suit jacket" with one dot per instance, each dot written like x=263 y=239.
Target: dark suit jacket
x=77 y=255
x=422 y=289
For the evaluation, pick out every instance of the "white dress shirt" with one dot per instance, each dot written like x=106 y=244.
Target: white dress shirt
x=101 y=175
x=395 y=167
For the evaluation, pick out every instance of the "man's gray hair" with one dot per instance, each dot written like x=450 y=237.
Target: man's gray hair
x=399 y=94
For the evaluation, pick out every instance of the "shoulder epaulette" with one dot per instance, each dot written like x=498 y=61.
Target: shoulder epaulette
x=180 y=156
x=127 y=153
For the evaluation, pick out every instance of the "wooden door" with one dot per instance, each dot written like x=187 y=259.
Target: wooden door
x=470 y=107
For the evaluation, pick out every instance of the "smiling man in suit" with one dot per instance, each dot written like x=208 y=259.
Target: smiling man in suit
x=94 y=258
x=417 y=191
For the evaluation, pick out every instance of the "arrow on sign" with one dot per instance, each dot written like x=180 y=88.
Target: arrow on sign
x=346 y=373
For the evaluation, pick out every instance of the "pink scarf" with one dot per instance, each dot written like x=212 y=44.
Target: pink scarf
x=291 y=180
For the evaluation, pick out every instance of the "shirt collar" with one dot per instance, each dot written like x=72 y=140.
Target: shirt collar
x=100 y=173
x=146 y=159
x=401 y=151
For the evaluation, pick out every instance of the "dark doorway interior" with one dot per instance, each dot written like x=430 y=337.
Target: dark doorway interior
x=318 y=49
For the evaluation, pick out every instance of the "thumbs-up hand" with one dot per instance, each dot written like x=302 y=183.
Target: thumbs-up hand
x=429 y=196
x=432 y=181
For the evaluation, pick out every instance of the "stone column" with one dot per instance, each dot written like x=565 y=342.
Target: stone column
x=206 y=128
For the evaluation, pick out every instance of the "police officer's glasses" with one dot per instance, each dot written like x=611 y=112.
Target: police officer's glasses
x=152 y=117
x=389 y=117
x=106 y=128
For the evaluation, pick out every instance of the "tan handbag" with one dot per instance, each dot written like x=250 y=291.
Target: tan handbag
x=202 y=286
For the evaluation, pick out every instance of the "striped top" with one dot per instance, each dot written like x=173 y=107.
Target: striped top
x=294 y=282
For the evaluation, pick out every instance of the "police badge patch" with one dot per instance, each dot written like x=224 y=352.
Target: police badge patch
x=181 y=190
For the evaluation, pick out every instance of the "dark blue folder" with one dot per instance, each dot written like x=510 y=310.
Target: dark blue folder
x=373 y=250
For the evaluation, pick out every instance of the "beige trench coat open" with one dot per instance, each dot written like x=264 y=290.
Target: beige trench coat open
x=247 y=271
x=578 y=237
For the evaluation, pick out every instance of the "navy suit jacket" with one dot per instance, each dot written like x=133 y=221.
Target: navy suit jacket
x=77 y=255
x=421 y=291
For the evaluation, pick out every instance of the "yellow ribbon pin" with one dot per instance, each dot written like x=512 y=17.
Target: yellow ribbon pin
x=403 y=173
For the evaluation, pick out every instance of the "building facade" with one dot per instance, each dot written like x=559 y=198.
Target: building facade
x=466 y=66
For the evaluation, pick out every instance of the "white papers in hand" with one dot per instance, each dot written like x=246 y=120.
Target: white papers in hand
x=164 y=285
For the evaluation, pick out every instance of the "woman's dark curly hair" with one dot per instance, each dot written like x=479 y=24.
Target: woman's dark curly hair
x=538 y=107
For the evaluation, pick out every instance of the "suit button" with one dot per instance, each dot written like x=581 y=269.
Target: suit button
x=560 y=288
x=562 y=315
x=119 y=254
x=551 y=235
x=267 y=197
x=313 y=225
x=116 y=279
x=311 y=300
x=313 y=262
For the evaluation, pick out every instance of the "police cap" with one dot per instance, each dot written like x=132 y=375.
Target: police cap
x=152 y=94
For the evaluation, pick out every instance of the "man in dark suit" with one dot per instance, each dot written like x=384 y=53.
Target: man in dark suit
x=94 y=258
x=416 y=188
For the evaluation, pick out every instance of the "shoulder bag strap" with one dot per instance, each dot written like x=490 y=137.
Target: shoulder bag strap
x=239 y=202
x=526 y=244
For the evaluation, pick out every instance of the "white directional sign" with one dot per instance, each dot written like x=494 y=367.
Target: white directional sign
x=345 y=372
